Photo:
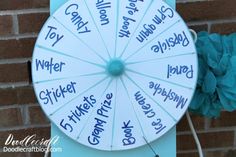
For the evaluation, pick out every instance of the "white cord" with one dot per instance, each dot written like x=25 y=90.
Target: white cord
x=47 y=151
x=199 y=147
x=194 y=35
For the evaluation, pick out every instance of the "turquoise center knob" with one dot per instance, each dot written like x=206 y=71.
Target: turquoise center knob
x=115 y=67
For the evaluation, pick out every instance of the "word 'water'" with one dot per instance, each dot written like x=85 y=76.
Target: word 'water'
x=49 y=66
x=50 y=96
x=168 y=94
x=101 y=120
x=180 y=70
x=170 y=42
x=78 y=112
x=102 y=7
x=76 y=19
x=128 y=139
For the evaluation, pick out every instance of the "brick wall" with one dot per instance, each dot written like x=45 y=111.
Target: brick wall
x=20 y=21
x=217 y=136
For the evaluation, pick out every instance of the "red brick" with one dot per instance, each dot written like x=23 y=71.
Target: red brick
x=185 y=142
x=37 y=154
x=227 y=119
x=207 y=10
x=31 y=23
x=42 y=132
x=222 y=153
x=21 y=48
x=187 y=155
x=224 y=28
x=25 y=95
x=10 y=117
x=14 y=72
x=6 y=25
x=208 y=140
x=198 y=123
x=19 y=95
x=17 y=154
x=231 y=153
x=37 y=116
x=8 y=96
x=199 y=28
x=23 y=4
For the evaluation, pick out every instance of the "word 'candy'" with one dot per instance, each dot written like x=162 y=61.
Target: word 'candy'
x=49 y=65
x=53 y=35
x=50 y=96
x=76 y=19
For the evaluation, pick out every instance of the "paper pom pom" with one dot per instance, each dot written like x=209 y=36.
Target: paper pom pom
x=216 y=85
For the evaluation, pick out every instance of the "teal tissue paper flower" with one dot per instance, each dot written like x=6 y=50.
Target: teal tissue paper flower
x=216 y=85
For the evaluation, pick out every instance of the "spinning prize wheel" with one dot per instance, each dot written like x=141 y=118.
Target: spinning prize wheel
x=114 y=75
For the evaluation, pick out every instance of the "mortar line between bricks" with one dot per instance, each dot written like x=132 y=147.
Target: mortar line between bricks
x=187 y=151
x=15 y=128
x=217 y=149
x=208 y=27
x=2 y=107
x=207 y=123
x=24 y=11
x=235 y=138
x=15 y=60
x=188 y=1
x=13 y=85
x=196 y=23
x=217 y=21
x=212 y=130
x=205 y=150
x=222 y=21
x=11 y=107
x=220 y=129
x=15 y=24
x=25 y=115
x=19 y=36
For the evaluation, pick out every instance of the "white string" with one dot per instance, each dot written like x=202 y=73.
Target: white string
x=199 y=147
x=47 y=151
x=194 y=35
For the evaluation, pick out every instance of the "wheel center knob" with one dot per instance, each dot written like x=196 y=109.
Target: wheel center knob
x=115 y=67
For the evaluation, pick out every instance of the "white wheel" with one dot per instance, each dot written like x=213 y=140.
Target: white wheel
x=114 y=74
